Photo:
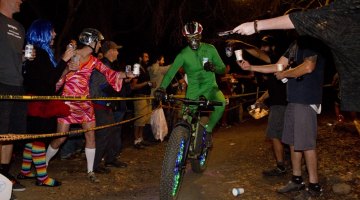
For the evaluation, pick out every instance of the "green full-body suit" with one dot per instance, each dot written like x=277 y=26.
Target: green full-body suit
x=200 y=82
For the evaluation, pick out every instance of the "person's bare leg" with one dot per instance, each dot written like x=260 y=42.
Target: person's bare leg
x=6 y=152
x=89 y=135
x=296 y=157
x=138 y=132
x=311 y=164
x=89 y=145
x=278 y=150
x=55 y=144
x=339 y=116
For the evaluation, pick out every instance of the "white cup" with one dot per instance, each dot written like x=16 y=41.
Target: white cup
x=136 y=70
x=237 y=191
x=238 y=54
x=279 y=67
x=284 y=80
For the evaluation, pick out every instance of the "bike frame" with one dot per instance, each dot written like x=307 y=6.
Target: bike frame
x=188 y=141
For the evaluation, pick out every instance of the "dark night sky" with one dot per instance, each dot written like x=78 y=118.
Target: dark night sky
x=153 y=25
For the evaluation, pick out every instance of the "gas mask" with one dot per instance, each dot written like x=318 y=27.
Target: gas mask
x=194 y=41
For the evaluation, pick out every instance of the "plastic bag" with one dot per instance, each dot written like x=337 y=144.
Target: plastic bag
x=158 y=124
x=5 y=188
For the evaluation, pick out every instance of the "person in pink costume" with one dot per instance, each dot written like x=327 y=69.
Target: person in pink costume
x=76 y=83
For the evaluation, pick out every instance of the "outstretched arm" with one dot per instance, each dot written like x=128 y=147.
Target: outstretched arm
x=249 y=28
x=271 y=68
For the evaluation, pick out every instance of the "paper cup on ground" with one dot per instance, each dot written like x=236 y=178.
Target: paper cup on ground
x=237 y=191
x=238 y=54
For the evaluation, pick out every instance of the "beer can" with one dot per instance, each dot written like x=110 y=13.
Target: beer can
x=70 y=46
x=28 y=50
x=128 y=68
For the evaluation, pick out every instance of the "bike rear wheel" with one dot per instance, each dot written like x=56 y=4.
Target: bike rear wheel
x=199 y=164
x=174 y=163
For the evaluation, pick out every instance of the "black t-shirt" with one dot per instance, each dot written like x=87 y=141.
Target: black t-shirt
x=143 y=77
x=12 y=36
x=308 y=89
x=277 y=91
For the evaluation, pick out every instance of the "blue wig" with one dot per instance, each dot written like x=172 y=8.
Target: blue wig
x=39 y=35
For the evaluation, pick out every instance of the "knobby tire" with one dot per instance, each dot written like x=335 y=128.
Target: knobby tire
x=174 y=163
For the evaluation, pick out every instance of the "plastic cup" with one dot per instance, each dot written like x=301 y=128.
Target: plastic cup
x=136 y=70
x=237 y=191
x=238 y=54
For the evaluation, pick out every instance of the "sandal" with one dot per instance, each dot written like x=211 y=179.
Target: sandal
x=23 y=177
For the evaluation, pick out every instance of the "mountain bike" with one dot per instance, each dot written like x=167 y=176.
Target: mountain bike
x=188 y=141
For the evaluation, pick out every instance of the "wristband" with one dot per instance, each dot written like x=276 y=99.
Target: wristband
x=256 y=26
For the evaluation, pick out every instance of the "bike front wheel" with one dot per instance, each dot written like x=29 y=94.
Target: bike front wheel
x=202 y=150
x=174 y=164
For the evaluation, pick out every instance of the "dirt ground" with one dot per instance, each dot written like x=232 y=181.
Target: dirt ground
x=240 y=154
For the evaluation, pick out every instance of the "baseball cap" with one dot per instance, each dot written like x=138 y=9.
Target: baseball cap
x=107 y=45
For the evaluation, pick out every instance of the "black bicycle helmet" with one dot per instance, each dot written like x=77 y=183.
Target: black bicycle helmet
x=89 y=35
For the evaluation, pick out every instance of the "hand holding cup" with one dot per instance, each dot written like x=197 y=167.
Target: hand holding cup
x=238 y=54
x=245 y=65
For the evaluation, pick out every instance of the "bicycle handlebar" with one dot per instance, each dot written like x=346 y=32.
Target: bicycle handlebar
x=200 y=102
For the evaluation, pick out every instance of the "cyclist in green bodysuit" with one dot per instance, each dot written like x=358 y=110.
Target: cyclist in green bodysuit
x=200 y=62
